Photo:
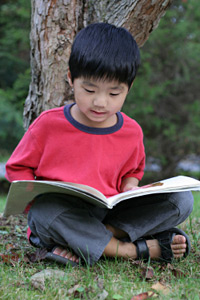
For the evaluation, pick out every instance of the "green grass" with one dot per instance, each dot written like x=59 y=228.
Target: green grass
x=115 y=278
x=2 y=202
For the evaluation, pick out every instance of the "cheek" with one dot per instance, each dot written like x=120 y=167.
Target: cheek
x=82 y=101
x=120 y=102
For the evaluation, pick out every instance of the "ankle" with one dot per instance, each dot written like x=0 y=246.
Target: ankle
x=116 y=248
x=129 y=250
x=154 y=248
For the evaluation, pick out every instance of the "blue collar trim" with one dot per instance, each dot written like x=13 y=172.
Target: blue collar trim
x=92 y=130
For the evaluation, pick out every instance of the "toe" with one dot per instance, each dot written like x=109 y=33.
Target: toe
x=57 y=251
x=179 y=246
x=179 y=251
x=179 y=239
x=66 y=253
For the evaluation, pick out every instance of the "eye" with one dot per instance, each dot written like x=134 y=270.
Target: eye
x=88 y=91
x=114 y=95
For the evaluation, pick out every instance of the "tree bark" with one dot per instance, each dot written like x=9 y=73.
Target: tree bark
x=54 y=24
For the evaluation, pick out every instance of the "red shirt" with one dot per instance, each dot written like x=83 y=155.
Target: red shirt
x=56 y=147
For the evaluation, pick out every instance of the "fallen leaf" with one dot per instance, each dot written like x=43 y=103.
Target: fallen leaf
x=143 y=296
x=9 y=258
x=159 y=287
x=147 y=273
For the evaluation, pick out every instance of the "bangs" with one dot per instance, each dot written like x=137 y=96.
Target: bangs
x=105 y=53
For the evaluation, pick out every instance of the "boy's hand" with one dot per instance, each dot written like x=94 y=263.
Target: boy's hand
x=129 y=183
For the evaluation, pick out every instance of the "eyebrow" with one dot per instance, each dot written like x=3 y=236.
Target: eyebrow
x=94 y=85
x=117 y=88
x=89 y=83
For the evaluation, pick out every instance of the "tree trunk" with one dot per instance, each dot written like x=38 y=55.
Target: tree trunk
x=54 y=24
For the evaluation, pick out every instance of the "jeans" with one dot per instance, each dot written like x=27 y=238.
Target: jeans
x=71 y=222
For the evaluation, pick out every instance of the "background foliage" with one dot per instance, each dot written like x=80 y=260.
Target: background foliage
x=14 y=71
x=164 y=98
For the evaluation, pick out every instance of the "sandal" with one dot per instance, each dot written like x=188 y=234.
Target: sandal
x=142 y=249
x=59 y=259
x=165 y=239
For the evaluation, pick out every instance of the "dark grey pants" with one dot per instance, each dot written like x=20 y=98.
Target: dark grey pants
x=57 y=220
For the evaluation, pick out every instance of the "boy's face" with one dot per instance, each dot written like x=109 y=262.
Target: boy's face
x=97 y=101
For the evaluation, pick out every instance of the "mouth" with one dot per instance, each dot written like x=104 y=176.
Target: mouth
x=98 y=113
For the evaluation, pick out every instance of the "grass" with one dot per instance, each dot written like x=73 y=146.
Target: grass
x=108 y=279
x=2 y=203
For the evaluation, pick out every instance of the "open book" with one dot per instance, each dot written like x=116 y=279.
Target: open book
x=22 y=192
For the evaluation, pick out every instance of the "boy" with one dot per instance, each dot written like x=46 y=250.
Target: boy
x=93 y=143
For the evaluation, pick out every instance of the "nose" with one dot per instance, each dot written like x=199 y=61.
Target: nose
x=100 y=100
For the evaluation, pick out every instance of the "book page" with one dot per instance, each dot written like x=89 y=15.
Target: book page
x=174 y=184
x=24 y=191
x=81 y=187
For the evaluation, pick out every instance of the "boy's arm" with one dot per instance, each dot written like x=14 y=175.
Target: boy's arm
x=18 y=171
x=128 y=183
x=24 y=160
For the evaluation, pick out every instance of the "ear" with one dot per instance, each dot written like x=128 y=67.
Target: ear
x=69 y=77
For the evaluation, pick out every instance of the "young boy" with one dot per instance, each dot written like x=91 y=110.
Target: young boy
x=91 y=142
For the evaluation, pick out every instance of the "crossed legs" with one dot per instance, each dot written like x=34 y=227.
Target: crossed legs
x=95 y=232
x=117 y=248
x=128 y=250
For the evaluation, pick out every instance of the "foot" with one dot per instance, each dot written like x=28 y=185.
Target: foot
x=66 y=253
x=178 y=247
x=171 y=244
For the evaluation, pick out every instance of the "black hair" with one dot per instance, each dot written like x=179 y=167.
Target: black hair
x=104 y=51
